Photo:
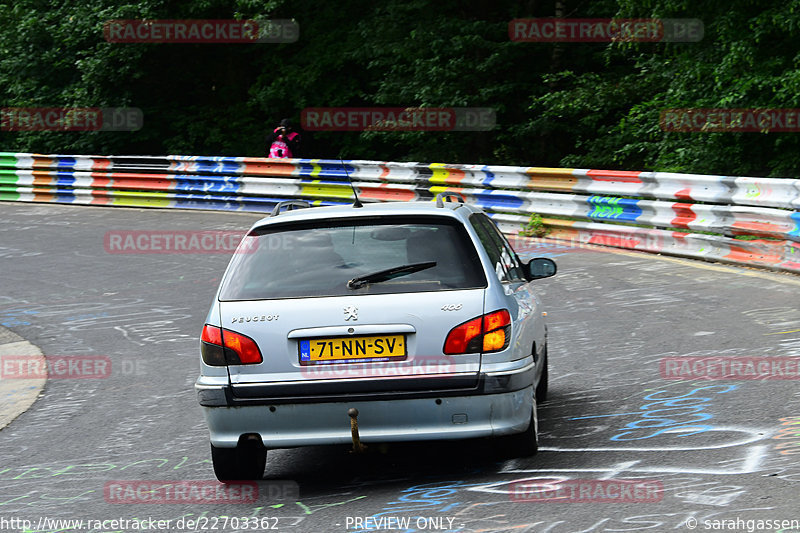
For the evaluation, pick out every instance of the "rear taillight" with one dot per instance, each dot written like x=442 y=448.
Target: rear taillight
x=243 y=346
x=212 y=335
x=211 y=346
x=487 y=333
x=464 y=338
x=225 y=347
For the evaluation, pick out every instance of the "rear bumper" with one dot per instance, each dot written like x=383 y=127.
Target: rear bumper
x=308 y=424
x=478 y=405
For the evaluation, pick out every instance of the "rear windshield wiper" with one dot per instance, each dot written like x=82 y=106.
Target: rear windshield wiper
x=391 y=273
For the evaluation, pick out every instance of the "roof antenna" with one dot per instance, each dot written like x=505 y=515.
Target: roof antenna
x=357 y=202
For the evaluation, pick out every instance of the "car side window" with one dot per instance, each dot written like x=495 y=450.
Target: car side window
x=500 y=252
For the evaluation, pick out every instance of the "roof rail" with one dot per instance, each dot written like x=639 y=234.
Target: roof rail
x=443 y=196
x=289 y=205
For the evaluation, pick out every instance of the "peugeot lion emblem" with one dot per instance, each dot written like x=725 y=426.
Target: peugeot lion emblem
x=351 y=312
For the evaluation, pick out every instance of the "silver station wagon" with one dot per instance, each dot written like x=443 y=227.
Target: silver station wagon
x=377 y=323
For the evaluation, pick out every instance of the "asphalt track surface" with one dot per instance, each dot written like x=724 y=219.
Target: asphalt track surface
x=725 y=452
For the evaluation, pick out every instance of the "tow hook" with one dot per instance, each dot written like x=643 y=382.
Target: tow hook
x=357 y=446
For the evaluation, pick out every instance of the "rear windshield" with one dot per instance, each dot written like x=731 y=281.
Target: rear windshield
x=292 y=261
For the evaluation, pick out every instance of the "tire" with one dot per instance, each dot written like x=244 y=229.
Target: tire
x=523 y=444
x=541 y=388
x=244 y=463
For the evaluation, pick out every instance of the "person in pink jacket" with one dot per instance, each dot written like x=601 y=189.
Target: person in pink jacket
x=283 y=142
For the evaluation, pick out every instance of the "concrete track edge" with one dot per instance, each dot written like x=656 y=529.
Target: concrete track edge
x=17 y=394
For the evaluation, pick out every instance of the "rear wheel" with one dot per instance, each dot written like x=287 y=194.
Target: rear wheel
x=245 y=462
x=523 y=444
x=541 y=387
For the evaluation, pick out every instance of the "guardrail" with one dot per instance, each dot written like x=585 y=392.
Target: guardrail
x=752 y=221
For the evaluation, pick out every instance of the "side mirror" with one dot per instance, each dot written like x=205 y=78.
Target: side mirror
x=540 y=267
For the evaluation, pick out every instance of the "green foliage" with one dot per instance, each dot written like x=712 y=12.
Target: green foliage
x=747 y=59
x=585 y=105
x=535 y=227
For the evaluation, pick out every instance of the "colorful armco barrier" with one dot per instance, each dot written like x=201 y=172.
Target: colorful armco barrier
x=752 y=221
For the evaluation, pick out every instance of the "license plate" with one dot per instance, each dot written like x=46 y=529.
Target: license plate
x=372 y=348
